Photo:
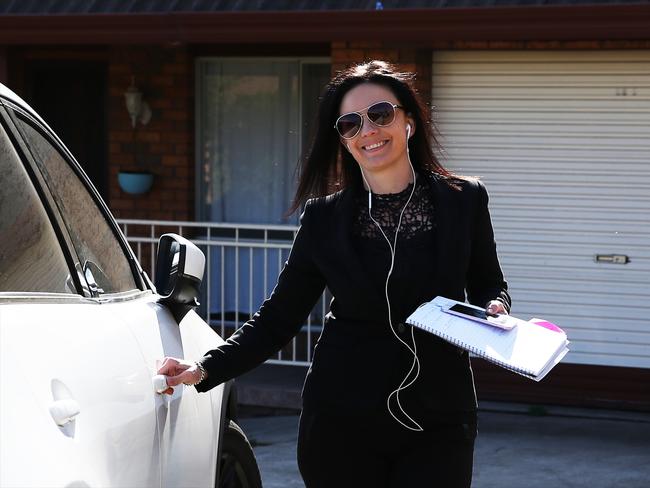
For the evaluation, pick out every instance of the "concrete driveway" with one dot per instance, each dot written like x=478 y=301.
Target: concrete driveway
x=564 y=447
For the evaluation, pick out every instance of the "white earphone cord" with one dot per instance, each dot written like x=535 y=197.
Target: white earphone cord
x=416 y=362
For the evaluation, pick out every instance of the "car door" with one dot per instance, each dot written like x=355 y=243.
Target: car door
x=187 y=431
x=77 y=399
x=188 y=420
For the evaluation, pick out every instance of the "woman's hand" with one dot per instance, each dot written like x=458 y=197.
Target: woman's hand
x=179 y=371
x=495 y=307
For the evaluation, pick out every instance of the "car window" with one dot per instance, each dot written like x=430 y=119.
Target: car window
x=103 y=260
x=31 y=259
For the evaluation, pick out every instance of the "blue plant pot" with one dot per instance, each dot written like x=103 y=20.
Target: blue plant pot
x=135 y=182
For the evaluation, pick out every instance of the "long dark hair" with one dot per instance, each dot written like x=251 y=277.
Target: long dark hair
x=327 y=167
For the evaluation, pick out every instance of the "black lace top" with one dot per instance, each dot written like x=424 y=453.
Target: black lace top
x=386 y=209
x=415 y=250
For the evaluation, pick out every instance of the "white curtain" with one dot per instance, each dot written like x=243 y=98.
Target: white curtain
x=249 y=139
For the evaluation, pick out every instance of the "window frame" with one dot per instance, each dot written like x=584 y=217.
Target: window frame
x=13 y=112
x=198 y=87
x=53 y=216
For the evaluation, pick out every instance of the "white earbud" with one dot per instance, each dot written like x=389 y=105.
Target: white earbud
x=408 y=131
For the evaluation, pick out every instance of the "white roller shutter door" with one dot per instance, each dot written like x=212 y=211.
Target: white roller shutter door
x=562 y=141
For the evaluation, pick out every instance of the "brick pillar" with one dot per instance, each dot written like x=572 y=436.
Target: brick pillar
x=164 y=147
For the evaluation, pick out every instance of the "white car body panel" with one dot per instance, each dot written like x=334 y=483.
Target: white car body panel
x=189 y=433
x=196 y=433
x=83 y=353
x=115 y=440
x=18 y=403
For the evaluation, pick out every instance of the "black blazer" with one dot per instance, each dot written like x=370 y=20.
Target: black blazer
x=357 y=361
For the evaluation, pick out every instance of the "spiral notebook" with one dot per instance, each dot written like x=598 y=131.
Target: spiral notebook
x=531 y=348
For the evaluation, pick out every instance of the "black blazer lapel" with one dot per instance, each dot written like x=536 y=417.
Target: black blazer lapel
x=448 y=245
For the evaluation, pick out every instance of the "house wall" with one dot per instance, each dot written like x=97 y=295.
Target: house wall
x=165 y=75
x=165 y=146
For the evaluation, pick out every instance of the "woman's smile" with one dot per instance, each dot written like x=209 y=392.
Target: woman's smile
x=375 y=146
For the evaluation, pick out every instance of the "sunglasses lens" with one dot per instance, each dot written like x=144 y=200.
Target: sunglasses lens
x=381 y=113
x=348 y=125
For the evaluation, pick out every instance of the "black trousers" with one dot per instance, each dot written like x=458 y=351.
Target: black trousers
x=340 y=451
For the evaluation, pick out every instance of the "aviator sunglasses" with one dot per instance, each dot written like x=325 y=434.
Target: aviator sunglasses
x=380 y=114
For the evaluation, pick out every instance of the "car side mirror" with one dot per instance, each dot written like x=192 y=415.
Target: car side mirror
x=179 y=272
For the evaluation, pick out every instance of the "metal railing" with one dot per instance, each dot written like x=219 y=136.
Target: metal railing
x=243 y=262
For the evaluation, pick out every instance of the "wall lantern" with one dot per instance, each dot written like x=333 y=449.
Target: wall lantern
x=138 y=109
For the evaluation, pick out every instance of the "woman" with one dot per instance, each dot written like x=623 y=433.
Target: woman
x=383 y=404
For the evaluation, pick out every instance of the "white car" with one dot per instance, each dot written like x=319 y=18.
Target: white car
x=81 y=330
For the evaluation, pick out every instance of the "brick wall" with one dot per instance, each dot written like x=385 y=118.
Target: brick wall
x=163 y=147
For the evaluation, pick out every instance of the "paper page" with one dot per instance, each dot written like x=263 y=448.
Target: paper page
x=527 y=347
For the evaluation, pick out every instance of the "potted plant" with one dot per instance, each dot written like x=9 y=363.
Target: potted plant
x=135 y=182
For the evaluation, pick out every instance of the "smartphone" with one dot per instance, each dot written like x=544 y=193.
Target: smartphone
x=467 y=310
x=478 y=314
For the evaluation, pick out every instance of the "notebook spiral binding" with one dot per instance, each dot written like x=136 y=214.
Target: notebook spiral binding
x=473 y=349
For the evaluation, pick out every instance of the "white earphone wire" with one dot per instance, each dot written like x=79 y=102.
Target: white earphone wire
x=393 y=247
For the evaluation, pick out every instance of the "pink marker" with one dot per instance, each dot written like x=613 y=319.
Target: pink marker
x=546 y=324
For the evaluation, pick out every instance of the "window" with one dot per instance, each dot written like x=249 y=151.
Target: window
x=31 y=259
x=102 y=258
x=255 y=117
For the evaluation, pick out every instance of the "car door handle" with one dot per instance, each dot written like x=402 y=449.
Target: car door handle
x=64 y=411
x=160 y=383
